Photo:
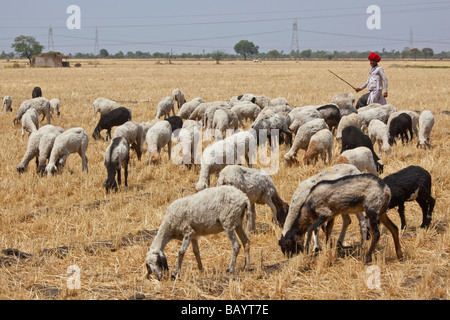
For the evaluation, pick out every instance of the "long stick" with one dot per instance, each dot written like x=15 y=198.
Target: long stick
x=342 y=79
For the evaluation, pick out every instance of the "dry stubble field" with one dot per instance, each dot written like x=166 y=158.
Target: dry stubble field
x=53 y=223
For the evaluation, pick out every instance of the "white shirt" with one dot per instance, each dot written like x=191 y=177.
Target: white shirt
x=376 y=80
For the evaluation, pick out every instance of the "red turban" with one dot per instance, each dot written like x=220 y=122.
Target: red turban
x=374 y=56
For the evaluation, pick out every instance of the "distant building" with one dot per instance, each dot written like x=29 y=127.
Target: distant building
x=50 y=59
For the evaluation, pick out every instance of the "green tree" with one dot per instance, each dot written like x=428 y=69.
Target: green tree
x=427 y=52
x=27 y=47
x=103 y=53
x=246 y=48
x=218 y=55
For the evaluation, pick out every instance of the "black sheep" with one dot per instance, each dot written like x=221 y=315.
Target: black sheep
x=411 y=183
x=331 y=114
x=111 y=119
x=362 y=101
x=37 y=92
x=400 y=125
x=353 y=137
x=175 y=122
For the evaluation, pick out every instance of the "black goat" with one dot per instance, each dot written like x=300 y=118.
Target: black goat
x=111 y=119
x=400 y=126
x=411 y=183
x=353 y=137
x=37 y=92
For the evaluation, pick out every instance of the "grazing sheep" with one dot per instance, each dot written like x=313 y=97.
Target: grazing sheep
x=133 y=132
x=346 y=121
x=207 y=212
x=148 y=124
x=353 y=137
x=426 y=123
x=411 y=183
x=368 y=115
x=117 y=156
x=103 y=105
x=343 y=99
x=45 y=148
x=414 y=118
x=158 y=136
x=280 y=101
x=36 y=93
x=360 y=157
x=40 y=104
x=223 y=152
x=176 y=123
x=246 y=111
x=331 y=114
x=220 y=124
x=208 y=116
x=349 y=194
x=289 y=237
x=30 y=121
x=6 y=104
x=37 y=150
x=302 y=138
x=200 y=110
x=362 y=101
x=321 y=143
x=189 y=107
x=277 y=124
x=243 y=98
x=74 y=140
x=259 y=188
x=399 y=126
x=301 y=115
x=178 y=96
x=379 y=133
x=346 y=110
x=115 y=117
x=55 y=106
x=164 y=107
x=189 y=142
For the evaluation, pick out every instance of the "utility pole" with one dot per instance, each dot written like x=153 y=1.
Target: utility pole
x=96 y=47
x=294 y=41
x=51 y=44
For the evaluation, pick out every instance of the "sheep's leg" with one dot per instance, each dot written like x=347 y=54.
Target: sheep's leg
x=328 y=230
x=125 y=169
x=251 y=221
x=363 y=227
x=317 y=223
x=346 y=221
x=235 y=249
x=184 y=246
x=372 y=215
x=84 y=160
x=196 y=250
x=401 y=212
x=169 y=148
x=119 y=176
x=394 y=230
x=316 y=243
x=246 y=243
x=274 y=211
x=426 y=203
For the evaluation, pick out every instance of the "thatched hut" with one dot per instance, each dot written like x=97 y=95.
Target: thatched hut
x=49 y=59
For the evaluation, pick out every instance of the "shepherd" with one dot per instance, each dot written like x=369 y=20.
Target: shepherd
x=375 y=82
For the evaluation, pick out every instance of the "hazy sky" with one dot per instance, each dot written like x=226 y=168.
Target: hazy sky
x=205 y=25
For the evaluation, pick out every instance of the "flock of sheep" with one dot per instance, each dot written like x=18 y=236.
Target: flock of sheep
x=342 y=189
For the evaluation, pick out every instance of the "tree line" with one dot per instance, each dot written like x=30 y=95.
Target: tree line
x=26 y=47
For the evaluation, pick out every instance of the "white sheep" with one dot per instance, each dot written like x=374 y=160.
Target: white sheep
x=360 y=157
x=227 y=151
x=55 y=106
x=103 y=105
x=199 y=112
x=220 y=123
x=321 y=143
x=346 y=121
x=37 y=150
x=74 y=140
x=246 y=111
x=280 y=101
x=426 y=123
x=117 y=156
x=189 y=139
x=259 y=188
x=7 y=103
x=178 y=96
x=302 y=138
x=300 y=195
x=343 y=99
x=189 y=107
x=40 y=104
x=134 y=133
x=164 y=107
x=378 y=132
x=157 y=137
x=301 y=115
x=30 y=121
x=210 y=211
x=370 y=114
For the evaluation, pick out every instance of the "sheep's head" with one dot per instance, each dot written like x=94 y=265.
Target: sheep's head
x=423 y=144
x=51 y=169
x=201 y=185
x=155 y=157
x=289 y=244
x=380 y=166
x=20 y=168
x=156 y=262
